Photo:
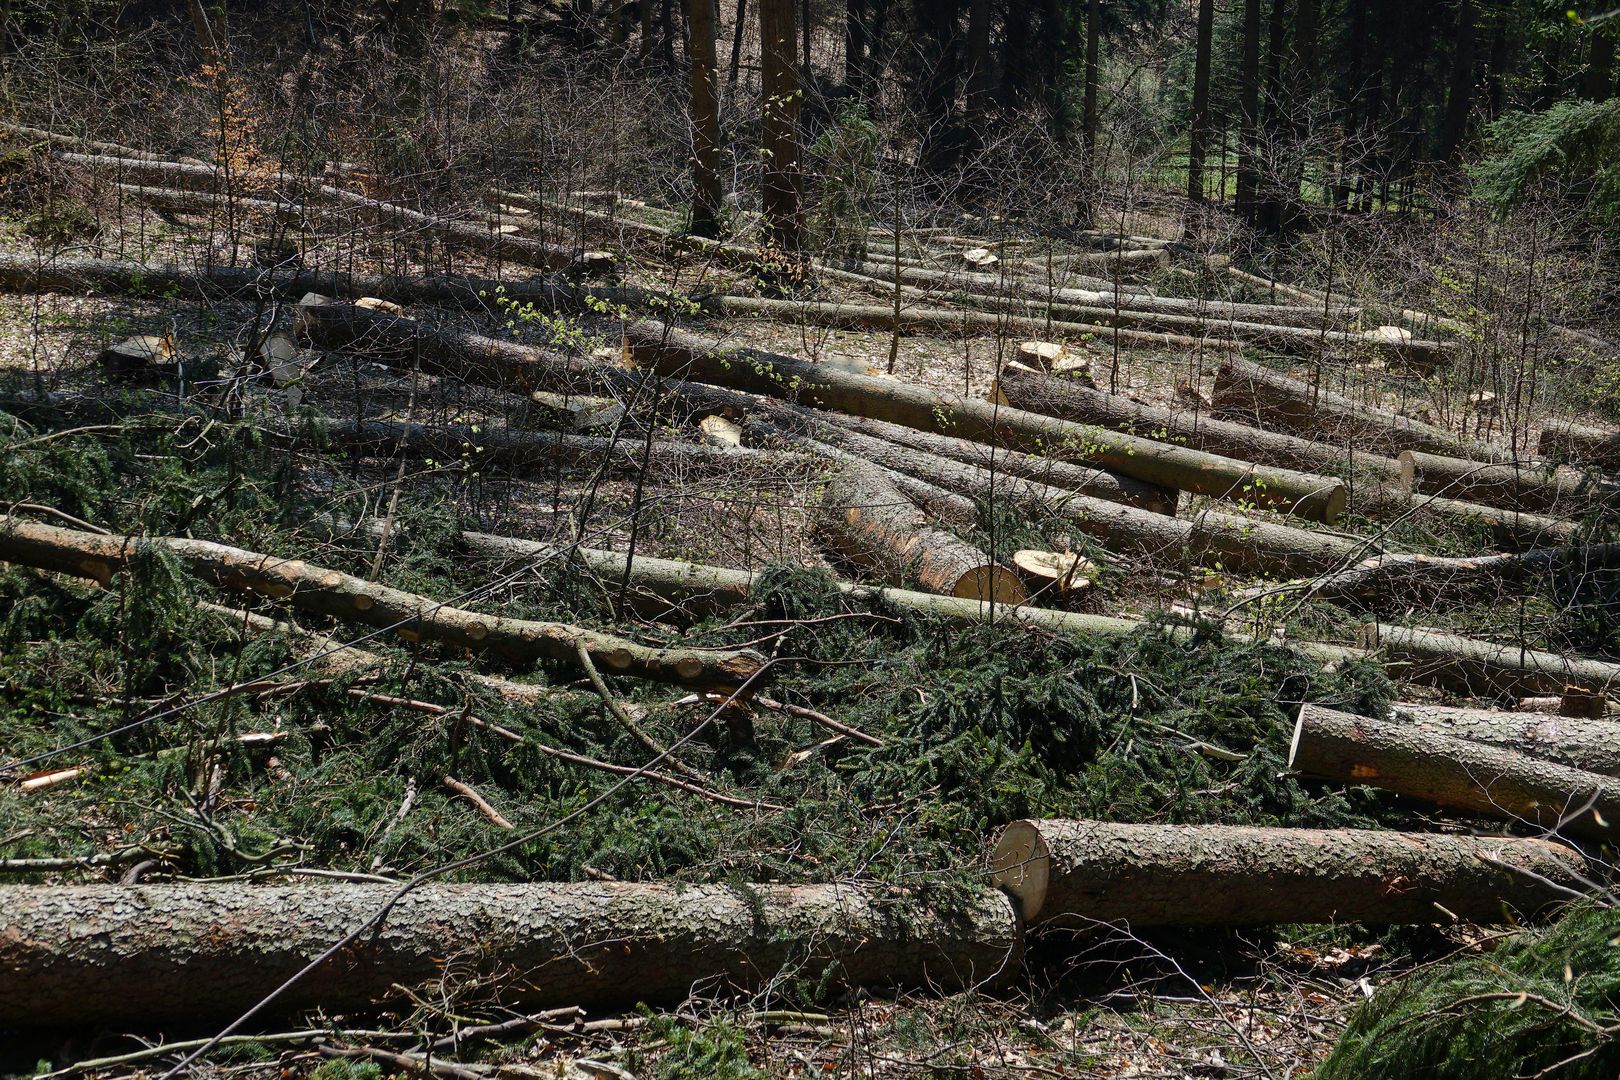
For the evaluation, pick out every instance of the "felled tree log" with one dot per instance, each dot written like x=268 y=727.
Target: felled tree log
x=102 y=954
x=1251 y=393
x=1069 y=400
x=1394 y=580
x=1098 y=483
x=21 y=274
x=1517 y=530
x=1483 y=668
x=1580 y=443
x=1523 y=486
x=1477 y=777
x=678 y=354
x=1075 y=874
x=871 y=523
x=1579 y=742
x=1240 y=543
x=342 y=596
x=180 y=201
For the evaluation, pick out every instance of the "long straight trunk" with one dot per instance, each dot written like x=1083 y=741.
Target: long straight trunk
x=978 y=61
x=148 y=954
x=779 y=75
x=1484 y=779
x=1395 y=582
x=855 y=47
x=737 y=30
x=701 y=70
x=1249 y=108
x=1580 y=743
x=1198 y=138
x=870 y=522
x=1485 y=669
x=1515 y=530
x=1075 y=874
x=1597 y=84
x=1460 y=95
x=1580 y=443
x=679 y=354
x=1272 y=120
x=1514 y=486
x=342 y=596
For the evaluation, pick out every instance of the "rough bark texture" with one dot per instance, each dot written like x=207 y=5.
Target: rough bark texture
x=1523 y=486
x=1069 y=400
x=1483 y=668
x=1077 y=873
x=1580 y=443
x=1517 y=530
x=1579 y=742
x=779 y=77
x=342 y=596
x=871 y=523
x=1250 y=393
x=1397 y=581
x=1477 y=777
x=701 y=71
x=682 y=355
x=92 y=954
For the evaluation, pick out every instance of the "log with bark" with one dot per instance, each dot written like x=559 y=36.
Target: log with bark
x=1489 y=780
x=678 y=354
x=870 y=522
x=1516 y=530
x=1484 y=668
x=1514 y=486
x=1076 y=874
x=352 y=599
x=1250 y=393
x=1580 y=443
x=1577 y=741
x=1069 y=400
x=147 y=954
x=1396 y=581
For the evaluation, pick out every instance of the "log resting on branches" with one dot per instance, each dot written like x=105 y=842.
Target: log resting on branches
x=1514 y=486
x=342 y=596
x=1075 y=874
x=110 y=954
x=1484 y=779
x=1484 y=668
x=1576 y=741
x=1516 y=530
x=1581 y=444
x=677 y=354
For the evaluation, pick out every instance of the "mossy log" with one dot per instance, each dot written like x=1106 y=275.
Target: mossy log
x=1069 y=400
x=870 y=522
x=677 y=354
x=1478 y=777
x=1576 y=741
x=1580 y=443
x=1515 y=486
x=1076 y=874
x=352 y=599
x=144 y=954
x=1483 y=668
x=1252 y=394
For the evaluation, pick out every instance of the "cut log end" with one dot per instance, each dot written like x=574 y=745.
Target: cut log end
x=990 y=583
x=1021 y=867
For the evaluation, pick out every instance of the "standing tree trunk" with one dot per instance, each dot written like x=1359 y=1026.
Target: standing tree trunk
x=1088 y=117
x=1460 y=97
x=781 y=196
x=1198 y=141
x=1249 y=93
x=978 y=62
x=855 y=46
x=1270 y=209
x=705 y=118
x=1598 y=82
x=736 y=47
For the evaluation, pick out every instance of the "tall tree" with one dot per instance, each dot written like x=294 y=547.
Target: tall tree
x=855 y=46
x=781 y=200
x=978 y=60
x=1249 y=111
x=1088 y=107
x=1269 y=212
x=1598 y=82
x=1460 y=94
x=1198 y=141
x=701 y=68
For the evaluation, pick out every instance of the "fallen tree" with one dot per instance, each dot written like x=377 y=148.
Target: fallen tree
x=343 y=596
x=1517 y=530
x=1391 y=580
x=1514 y=486
x=1077 y=874
x=104 y=954
x=677 y=354
x=1579 y=742
x=1484 y=668
x=871 y=523
x=1069 y=400
x=1477 y=777
x=1251 y=393
x=1580 y=443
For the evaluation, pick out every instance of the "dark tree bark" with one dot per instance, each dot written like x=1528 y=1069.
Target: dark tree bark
x=1249 y=105
x=1460 y=95
x=1088 y=109
x=782 y=185
x=978 y=61
x=1598 y=82
x=701 y=65
x=855 y=46
x=736 y=46
x=1199 y=138
x=1269 y=216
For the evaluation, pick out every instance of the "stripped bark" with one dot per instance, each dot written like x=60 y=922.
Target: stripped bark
x=678 y=354
x=102 y=954
x=342 y=596
x=1075 y=874
x=1477 y=777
